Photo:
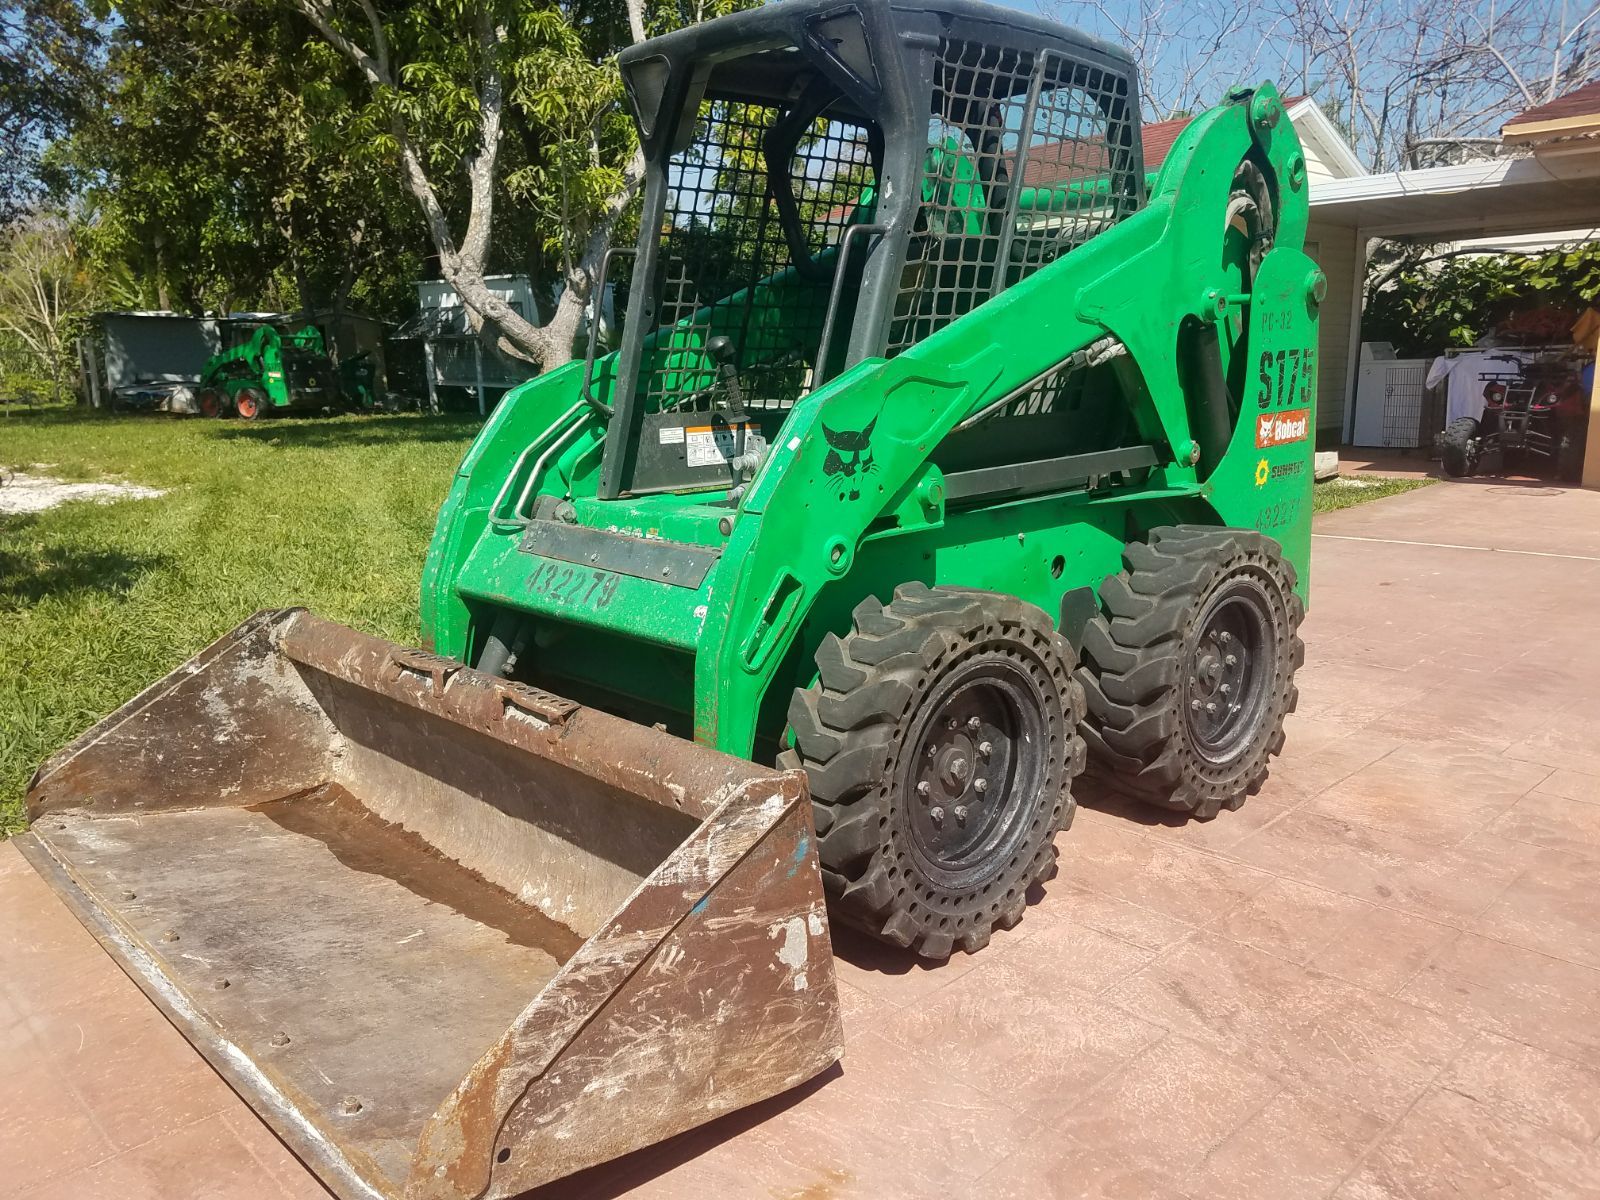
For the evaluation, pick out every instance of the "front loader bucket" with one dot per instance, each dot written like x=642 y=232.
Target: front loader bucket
x=450 y=936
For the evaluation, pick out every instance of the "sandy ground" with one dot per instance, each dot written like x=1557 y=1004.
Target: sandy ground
x=23 y=493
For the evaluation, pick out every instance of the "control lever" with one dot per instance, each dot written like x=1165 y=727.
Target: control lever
x=721 y=351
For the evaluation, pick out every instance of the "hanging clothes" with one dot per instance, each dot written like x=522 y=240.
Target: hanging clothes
x=1467 y=373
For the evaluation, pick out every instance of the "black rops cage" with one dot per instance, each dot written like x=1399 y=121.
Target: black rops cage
x=831 y=182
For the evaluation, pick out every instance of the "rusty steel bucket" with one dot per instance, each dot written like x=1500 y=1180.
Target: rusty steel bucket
x=450 y=936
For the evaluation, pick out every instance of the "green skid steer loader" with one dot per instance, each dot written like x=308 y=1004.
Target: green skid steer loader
x=945 y=449
x=271 y=373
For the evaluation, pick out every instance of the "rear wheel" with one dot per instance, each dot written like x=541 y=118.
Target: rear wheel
x=940 y=745
x=1458 y=447
x=1189 y=673
x=250 y=403
x=211 y=402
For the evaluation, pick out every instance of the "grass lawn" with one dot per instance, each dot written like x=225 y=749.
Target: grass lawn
x=97 y=601
x=1344 y=492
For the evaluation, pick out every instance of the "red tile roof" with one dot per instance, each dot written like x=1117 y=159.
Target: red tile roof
x=1158 y=139
x=1583 y=102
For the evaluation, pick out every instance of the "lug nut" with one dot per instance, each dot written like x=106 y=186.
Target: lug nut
x=1226 y=688
x=1194 y=706
x=1230 y=661
x=923 y=788
x=933 y=751
x=980 y=786
x=954 y=724
x=985 y=748
x=1211 y=707
x=1224 y=637
x=974 y=724
x=936 y=815
x=961 y=814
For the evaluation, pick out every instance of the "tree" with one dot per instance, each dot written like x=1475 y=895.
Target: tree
x=1455 y=297
x=48 y=54
x=224 y=170
x=478 y=101
x=44 y=294
x=1414 y=82
x=441 y=77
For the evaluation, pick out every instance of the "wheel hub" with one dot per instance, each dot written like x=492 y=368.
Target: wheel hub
x=1229 y=674
x=963 y=769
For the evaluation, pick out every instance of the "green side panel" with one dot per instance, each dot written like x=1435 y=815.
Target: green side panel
x=1266 y=478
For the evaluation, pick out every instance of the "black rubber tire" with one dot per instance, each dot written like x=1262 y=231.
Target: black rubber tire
x=861 y=729
x=1455 y=447
x=251 y=404
x=1137 y=652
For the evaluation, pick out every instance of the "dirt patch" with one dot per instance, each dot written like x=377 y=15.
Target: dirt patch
x=21 y=493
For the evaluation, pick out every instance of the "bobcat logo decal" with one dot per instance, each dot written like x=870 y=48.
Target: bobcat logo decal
x=849 y=459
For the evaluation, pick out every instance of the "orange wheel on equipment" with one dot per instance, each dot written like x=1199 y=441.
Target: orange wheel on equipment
x=249 y=403
x=210 y=402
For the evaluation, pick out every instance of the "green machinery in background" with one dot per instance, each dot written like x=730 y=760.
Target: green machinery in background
x=275 y=372
x=942 y=451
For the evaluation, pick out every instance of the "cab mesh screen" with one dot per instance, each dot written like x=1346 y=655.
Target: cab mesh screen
x=726 y=266
x=1028 y=156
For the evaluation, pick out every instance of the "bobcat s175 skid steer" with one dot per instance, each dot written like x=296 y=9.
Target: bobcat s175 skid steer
x=945 y=449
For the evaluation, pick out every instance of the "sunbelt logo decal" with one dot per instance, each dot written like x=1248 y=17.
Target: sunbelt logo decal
x=1279 y=429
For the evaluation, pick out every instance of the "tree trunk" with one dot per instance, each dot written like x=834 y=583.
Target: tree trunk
x=463 y=263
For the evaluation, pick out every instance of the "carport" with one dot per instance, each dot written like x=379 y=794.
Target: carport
x=1548 y=182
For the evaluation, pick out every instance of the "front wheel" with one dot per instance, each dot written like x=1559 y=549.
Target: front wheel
x=1458 y=447
x=1189 y=672
x=250 y=403
x=940 y=746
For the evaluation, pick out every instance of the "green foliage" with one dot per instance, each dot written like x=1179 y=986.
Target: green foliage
x=219 y=172
x=1431 y=305
x=97 y=601
x=46 y=296
x=49 y=53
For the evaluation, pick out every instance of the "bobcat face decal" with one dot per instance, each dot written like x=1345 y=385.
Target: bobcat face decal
x=849 y=459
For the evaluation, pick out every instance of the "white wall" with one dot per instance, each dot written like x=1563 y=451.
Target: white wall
x=1334 y=249
x=1317 y=170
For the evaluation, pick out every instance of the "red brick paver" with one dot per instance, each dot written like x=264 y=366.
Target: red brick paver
x=1379 y=980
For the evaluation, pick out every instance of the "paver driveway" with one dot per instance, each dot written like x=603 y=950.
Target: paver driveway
x=1379 y=979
